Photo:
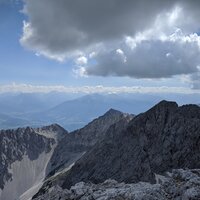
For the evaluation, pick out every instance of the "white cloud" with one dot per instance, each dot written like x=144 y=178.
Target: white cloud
x=92 y=55
x=80 y=71
x=168 y=55
x=82 y=60
x=27 y=88
x=122 y=55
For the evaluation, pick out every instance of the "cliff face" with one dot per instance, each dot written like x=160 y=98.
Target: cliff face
x=165 y=137
x=14 y=144
x=24 y=155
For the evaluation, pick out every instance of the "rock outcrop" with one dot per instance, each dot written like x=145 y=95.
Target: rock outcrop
x=178 y=185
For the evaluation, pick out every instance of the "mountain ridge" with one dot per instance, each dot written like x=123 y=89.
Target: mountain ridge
x=116 y=145
x=155 y=138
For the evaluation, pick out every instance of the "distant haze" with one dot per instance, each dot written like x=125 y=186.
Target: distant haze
x=73 y=111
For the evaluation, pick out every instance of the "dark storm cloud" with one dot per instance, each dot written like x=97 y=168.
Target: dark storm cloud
x=66 y=25
x=151 y=59
x=195 y=80
x=61 y=29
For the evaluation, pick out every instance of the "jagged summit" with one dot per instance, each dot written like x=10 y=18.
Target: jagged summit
x=165 y=105
x=98 y=127
x=52 y=131
x=113 y=112
x=77 y=142
x=53 y=127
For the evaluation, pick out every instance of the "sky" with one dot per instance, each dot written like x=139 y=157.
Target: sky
x=92 y=45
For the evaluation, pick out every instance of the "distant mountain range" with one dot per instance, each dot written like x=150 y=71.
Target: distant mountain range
x=14 y=107
x=39 y=110
x=72 y=111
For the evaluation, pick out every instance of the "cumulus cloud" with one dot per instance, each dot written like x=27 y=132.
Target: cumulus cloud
x=136 y=38
x=151 y=58
x=82 y=60
x=67 y=27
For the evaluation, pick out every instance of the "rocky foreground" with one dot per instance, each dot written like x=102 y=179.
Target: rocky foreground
x=177 y=185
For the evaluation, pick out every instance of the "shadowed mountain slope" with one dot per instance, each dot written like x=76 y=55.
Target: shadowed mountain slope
x=163 y=138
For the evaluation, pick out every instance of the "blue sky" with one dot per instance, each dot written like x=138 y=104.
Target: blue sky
x=115 y=65
x=18 y=64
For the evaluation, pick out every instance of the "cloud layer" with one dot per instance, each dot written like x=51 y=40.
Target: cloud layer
x=136 y=38
x=27 y=88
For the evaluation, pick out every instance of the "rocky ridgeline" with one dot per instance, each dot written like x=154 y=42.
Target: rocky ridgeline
x=163 y=138
x=29 y=155
x=178 y=185
x=136 y=152
x=75 y=144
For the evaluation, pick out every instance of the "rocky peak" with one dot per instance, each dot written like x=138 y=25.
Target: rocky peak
x=166 y=104
x=163 y=107
x=52 y=131
x=112 y=112
x=96 y=129
x=54 y=127
x=74 y=144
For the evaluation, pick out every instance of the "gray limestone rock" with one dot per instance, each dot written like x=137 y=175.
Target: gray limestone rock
x=178 y=185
